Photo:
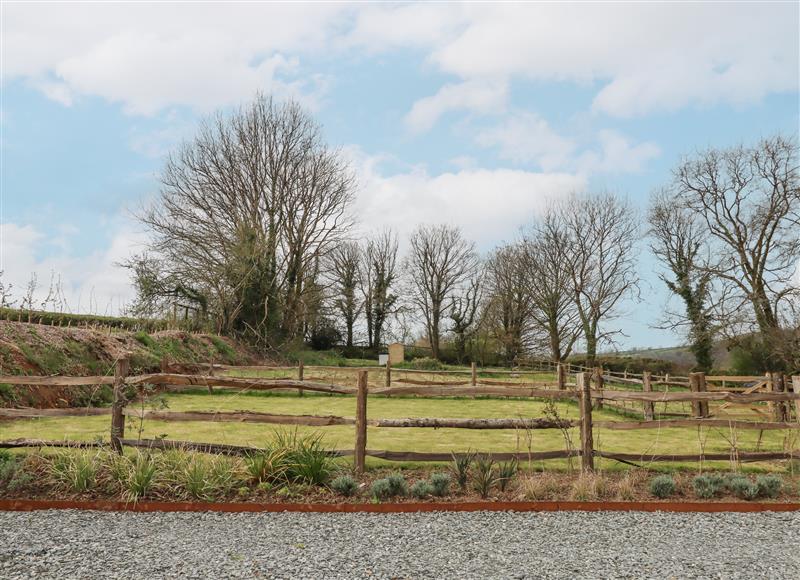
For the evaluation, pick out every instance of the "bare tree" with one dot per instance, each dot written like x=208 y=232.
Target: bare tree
x=749 y=200
x=245 y=210
x=440 y=260
x=509 y=305
x=6 y=297
x=378 y=278
x=678 y=241
x=554 y=313
x=463 y=313
x=601 y=261
x=344 y=272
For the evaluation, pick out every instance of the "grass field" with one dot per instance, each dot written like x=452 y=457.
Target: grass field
x=665 y=441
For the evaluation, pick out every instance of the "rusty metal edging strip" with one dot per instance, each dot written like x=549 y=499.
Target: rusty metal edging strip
x=536 y=506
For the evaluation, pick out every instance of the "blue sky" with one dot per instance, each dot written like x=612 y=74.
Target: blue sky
x=470 y=114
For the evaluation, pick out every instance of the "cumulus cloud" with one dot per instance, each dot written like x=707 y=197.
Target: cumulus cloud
x=526 y=138
x=480 y=96
x=643 y=57
x=490 y=205
x=91 y=284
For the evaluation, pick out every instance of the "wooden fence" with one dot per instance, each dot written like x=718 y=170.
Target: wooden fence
x=588 y=390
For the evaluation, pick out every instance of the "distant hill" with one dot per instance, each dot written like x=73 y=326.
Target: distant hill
x=681 y=356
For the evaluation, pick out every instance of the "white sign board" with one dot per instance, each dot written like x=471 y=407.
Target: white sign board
x=383 y=359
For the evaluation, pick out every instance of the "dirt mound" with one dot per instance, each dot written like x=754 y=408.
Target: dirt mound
x=34 y=349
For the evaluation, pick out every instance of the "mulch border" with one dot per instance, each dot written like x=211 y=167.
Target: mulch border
x=534 y=506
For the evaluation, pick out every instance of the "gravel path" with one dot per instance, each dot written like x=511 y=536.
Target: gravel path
x=75 y=544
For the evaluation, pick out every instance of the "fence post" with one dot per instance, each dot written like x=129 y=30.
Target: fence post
x=796 y=389
x=587 y=442
x=474 y=380
x=211 y=374
x=118 y=406
x=697 y=383
x=561 y=376
x=361 y=422
x=388 y=374
x=300 y=372
x=779 y=408
x=647 y=387
x=598 y=378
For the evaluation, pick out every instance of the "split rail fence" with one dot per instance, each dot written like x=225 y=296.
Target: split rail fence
x=589 y=389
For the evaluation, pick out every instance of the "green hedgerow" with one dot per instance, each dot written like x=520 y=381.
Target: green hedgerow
x=769 y=485
x=421 y=489
x=662 y=486
x=344 y=485
x=440 y=483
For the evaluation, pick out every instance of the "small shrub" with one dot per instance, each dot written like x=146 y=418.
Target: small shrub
x=707 y=486
x=380 y=489
x=5 y=456
x=769 y=485
x=397 y=485
x=506 y=472
x=460 y=467
x=344 y=485
x=243 y=491
x=421 y=489
x=662 y=486
x=743 y=488
x=484 y=477
x=440 y=484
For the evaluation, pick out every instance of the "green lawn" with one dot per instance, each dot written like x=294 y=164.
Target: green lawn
x=682 y=440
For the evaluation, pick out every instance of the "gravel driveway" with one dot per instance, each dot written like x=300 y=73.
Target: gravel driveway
x=76 y=544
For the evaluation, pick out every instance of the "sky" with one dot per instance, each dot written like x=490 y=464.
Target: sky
x=468 y=114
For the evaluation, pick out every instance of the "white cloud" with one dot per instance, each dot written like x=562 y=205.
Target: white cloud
x=525 y=138
x=152 y=56
x=645 y=57
x=480 y=96
x=489 y=205
x=91 y=284
x=617 y=155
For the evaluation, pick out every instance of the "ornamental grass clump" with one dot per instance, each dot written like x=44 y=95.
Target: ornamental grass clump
x=345 y=485
x=484 y=476
x=506 y=472
x=662 y=486
x=440 y=484
x=74 y=470
x=460 y=466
